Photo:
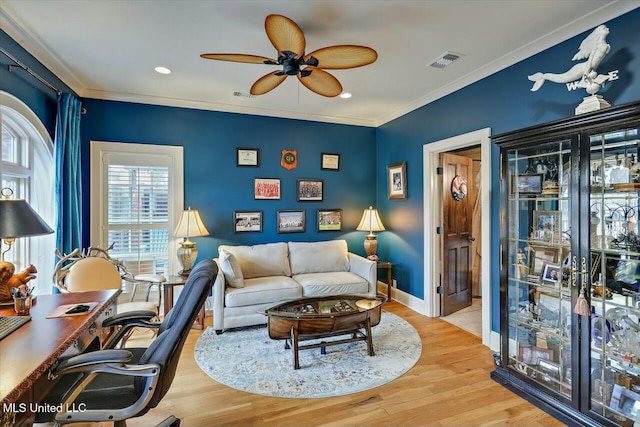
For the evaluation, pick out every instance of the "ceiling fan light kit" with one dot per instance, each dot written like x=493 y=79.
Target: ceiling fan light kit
x=289 y=41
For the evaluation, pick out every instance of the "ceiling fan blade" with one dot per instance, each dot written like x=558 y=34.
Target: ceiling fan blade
x=238 y=57
x=320 y=82
x=267 y=83
x=342 y=57
x=285 y=35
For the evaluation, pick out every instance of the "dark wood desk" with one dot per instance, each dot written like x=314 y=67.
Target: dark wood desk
x=27 y=353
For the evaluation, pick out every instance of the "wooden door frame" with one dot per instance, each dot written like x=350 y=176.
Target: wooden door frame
x=433 y=218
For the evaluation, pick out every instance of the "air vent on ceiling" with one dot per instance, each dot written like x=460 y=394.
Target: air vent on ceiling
x=242 y=94
x=445 y=59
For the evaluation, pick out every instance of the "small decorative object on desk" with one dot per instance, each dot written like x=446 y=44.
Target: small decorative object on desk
x=22 y=299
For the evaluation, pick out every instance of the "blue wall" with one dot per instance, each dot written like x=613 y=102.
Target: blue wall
x=41 y=100
x=503 y=102
x=216 y=186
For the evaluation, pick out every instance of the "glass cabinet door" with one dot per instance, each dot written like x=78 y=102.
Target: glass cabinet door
x=539 y=296
x=614 y=243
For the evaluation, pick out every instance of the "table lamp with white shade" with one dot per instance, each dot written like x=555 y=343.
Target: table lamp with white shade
x=371 y=222
x=189 y=225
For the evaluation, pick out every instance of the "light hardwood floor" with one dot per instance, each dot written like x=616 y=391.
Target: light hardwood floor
x=449 y=386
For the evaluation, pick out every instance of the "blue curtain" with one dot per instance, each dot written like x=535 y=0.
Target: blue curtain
x=68 y=174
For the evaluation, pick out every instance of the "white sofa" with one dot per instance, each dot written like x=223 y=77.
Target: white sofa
x=253 y=278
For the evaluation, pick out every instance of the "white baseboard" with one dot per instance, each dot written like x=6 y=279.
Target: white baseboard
x=419 y=306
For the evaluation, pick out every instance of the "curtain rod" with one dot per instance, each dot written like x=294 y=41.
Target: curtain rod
x=28 y=70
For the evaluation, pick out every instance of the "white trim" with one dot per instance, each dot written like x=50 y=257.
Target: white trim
x=99 y=150
x=8 y=100
x=39 y=50
x=39 y=169
x=432 y=219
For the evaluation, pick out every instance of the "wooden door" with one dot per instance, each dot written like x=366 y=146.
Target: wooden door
x=457 y=255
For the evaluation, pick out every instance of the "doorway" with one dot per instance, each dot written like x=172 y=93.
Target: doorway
x=433 y=219
x=461 y=295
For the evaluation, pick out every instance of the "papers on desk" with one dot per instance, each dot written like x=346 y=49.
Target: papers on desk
x=62 y=310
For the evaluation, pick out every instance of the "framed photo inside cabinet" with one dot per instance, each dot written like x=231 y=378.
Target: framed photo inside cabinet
x=266 y=189
x=550 y=370
x=625 y=401
x=329 y=219
x=546 y=226
x=247 y=157
x=291 y=221
x=551 y=274
x=527 y=183
x=531 y=355
x=540 y=256
x=247 y=221
x=310 y=190
x=397 y=180
x=330 y=162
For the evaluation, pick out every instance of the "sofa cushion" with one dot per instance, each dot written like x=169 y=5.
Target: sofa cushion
x=261 y=290
x=231 y=269
x=318 y=257
x=269 y=259
x=342 y=282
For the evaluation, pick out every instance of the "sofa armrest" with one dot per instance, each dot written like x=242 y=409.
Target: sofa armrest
x=218 y=299
x=366 y=269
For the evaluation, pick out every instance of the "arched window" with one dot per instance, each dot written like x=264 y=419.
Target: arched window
x=27 y=168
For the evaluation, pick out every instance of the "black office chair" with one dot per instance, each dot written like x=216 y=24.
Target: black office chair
x=115 y=385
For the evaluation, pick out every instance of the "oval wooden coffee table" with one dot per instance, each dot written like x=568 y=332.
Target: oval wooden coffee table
x=322 y=317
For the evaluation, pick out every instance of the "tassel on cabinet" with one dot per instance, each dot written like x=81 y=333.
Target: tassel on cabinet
x=582 y=305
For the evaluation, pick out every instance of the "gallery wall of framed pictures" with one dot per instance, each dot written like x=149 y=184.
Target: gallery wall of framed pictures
x=307 y=190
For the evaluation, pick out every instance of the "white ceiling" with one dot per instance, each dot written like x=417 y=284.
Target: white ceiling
x=108 y=49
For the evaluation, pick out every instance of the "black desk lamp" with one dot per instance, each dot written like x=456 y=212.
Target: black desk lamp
x=17 y=219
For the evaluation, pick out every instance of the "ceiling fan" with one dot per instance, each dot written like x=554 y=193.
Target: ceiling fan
x=289 y=41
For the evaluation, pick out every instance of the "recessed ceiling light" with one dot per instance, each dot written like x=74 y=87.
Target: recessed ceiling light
x=345 y=95
x=163 y=70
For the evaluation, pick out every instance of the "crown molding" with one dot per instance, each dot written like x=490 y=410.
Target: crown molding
x=564 y=33
x=39 y=51
x=227 y=108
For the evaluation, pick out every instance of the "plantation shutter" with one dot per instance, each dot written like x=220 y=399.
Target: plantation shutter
x=138 y=213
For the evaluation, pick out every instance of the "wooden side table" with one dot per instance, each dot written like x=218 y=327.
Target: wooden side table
x=167 y=295
x=386 y=265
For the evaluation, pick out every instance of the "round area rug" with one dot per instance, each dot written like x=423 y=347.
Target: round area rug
x=247 y=359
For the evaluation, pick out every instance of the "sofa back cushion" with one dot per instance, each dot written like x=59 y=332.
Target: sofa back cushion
x=318 y=257
x=269 y=259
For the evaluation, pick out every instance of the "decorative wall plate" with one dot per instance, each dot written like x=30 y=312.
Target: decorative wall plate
x=289 y=159
x=459 y=188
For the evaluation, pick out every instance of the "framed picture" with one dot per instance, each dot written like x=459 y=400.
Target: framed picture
x=531 y=355
x=310 y=190
x=330 y=161
x=625 y=401
x=246 y=221
x=329 y=219
x=540 y=256
x=546 y=226
x=266 y=189
x=527 y=184
x=555 y=311
x=551 y=274
x=291 y=221
x=247 y=157
x=550 y=370
x=397 y=180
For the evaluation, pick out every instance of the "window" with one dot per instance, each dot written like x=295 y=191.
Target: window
x=27 y=168
x=136 y=193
